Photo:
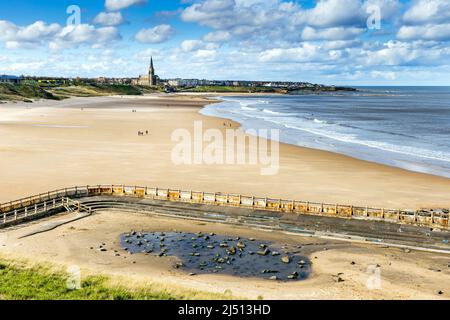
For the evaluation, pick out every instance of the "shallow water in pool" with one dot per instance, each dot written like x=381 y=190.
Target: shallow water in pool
x=201 y=253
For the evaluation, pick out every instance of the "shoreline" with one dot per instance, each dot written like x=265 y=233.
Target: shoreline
x=342 y=179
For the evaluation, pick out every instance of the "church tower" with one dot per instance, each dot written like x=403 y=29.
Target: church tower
x=151 y=74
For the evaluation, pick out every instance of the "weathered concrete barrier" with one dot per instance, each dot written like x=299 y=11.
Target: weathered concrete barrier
x=36 y=206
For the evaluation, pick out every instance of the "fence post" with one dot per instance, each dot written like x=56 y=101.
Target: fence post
x=45 y=205
x=35 y=209
x=4 y=217
x=367 y=211
x=15 y=215
x=382 y=213
x=26 y=211
x=336 y=209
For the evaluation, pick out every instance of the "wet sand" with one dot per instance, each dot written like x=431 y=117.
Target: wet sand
x=55 y=144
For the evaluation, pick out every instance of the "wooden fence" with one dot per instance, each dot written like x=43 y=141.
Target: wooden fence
x=37 y=205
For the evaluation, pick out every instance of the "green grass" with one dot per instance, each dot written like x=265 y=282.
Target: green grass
x=19 y=282
x=24 y=91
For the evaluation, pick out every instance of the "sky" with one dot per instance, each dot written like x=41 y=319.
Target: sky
x=341 y=42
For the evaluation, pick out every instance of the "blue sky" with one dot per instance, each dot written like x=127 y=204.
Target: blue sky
x=346 y=42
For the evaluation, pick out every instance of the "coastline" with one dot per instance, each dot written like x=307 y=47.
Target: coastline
x=107 y=150
x=93 y=140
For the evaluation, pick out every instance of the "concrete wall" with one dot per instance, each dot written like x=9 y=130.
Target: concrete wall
x=22 y=207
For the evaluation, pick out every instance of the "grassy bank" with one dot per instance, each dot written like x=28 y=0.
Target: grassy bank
x=18 y=281
x=29 y=91
x=24 y=92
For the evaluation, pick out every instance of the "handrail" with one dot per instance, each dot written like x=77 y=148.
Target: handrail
x=418 y=217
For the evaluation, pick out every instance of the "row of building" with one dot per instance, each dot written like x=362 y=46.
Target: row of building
x=151 y=79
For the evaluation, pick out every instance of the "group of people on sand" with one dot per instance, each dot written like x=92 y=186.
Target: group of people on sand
x=142 y=133
x=227 y=124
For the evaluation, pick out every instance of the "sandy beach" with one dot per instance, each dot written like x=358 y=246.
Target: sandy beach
x=81 y=141
x=403 y=275
x=53 y=144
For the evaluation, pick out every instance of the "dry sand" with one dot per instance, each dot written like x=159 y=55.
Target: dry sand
x=49 y=145
x=403 y=275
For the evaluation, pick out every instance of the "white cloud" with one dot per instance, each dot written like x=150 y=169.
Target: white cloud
x=114 y=5
x=388 y=75
x=428 y=11
x=336 y=33
x=332 y=13
x=440 y=32
x=158 y=34
x=194 y=45
x=40 y=33
x=109 y=18
x=205 y=54
x=306 y=52
x=75 y=35
x=28 y=36
x=217 y=36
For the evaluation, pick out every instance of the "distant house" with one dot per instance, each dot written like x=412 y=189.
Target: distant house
x=10 y=79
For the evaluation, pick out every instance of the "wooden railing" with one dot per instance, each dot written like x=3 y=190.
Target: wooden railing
x=37 y=205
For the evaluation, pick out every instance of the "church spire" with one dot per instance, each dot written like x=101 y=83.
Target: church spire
x=151 y=63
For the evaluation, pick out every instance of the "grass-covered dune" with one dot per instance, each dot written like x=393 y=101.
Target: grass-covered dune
x=24 y=92
x=28 y=91
x=19 y=281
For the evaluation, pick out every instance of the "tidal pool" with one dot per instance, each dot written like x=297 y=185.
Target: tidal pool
x=201 y=253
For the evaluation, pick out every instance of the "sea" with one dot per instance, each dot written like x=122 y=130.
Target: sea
x=405 y=127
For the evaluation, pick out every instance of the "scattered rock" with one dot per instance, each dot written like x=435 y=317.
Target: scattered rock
x=338 y=278
x=407 y=250
x=264 y=252
x=285 y=259
x=240 y=245
x=273 y=278
x=353 y=263
x=440 y=292
x=275 y=253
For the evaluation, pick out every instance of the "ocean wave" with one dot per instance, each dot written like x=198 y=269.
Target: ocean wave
x=320 y=121
x=272 y=112
x=249 y=108
x=348 y=138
